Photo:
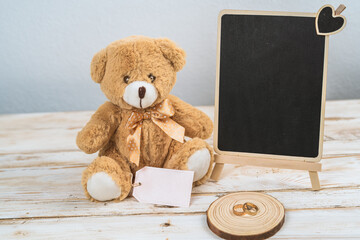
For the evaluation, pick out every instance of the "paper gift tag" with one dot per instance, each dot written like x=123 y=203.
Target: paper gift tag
x=163 y=186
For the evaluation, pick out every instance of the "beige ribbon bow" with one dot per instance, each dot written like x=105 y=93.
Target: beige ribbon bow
x=160 y=115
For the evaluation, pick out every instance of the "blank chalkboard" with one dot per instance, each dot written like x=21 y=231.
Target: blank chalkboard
x=271 y=80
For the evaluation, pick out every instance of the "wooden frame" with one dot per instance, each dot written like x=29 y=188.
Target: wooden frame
x=268 y=160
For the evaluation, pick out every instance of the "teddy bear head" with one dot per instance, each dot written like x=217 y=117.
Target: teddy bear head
x=137 y=72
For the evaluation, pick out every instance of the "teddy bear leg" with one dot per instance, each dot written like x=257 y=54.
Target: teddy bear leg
x=106 y=179
x=195 y=155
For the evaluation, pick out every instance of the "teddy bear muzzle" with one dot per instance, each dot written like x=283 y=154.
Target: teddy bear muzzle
x=140 y=94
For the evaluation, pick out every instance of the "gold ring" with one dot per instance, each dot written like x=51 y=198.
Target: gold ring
x=250 y=208
x=238 y=209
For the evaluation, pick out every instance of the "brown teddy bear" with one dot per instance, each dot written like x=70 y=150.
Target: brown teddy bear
x=142 y=124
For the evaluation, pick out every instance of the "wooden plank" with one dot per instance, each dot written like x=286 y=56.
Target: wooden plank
x=327 y=224
x=71 y=205
x=63 y=171
x=52 y=120
x=237 y=178
x=342 y=129
x=61 y=159
x=337 y=141
x=48 y=184
x=341 y=148
x=342 y=109
x=40 y=140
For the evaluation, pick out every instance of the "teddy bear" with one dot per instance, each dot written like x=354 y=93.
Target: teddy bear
x=141 y=124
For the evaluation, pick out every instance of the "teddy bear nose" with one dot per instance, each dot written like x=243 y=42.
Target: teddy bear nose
x=142 y=91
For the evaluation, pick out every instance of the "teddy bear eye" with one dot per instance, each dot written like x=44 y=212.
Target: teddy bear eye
x=126 y=79
x=152 y=77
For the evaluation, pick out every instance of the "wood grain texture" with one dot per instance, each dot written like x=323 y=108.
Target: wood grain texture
x=41 y=196
x=302 y=224
x=261 y=224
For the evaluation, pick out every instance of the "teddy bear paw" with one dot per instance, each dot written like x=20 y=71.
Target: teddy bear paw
x=199 y=162
x=102 y=187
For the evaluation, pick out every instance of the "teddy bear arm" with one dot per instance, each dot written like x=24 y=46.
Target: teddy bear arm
x=195 y=122
x=98 y=131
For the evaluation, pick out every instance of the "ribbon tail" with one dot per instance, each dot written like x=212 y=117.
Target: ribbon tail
x=180 y=133
x=134 y=158
x=133 y=141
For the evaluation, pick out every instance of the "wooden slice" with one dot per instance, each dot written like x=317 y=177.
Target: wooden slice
x=265 y=223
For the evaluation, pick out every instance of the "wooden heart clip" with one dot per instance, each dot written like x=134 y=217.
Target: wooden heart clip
x=329 y=21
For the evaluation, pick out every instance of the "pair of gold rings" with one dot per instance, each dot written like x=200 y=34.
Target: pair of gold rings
x=246 y=208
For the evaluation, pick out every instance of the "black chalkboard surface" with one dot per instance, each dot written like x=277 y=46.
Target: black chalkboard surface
x=270 y=85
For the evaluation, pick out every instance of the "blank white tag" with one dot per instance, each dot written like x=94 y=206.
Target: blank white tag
x=164 y=186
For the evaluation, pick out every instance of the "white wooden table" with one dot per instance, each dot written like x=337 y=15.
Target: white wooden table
x=41 y=196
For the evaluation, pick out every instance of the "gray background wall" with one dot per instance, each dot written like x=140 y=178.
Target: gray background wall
x=46 y=47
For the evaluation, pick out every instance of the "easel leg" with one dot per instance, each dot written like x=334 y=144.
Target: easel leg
x=314 y=178
x=217 y=171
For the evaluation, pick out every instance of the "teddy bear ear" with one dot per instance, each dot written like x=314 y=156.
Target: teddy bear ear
x=98 y=64
x=171 y=52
